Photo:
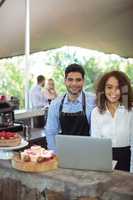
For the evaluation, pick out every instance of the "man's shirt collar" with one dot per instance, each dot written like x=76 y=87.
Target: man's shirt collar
x=79 y=99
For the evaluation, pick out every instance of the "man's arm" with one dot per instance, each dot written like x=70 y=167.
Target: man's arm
x=95 y=129
x=90 y=105
x=52 y=125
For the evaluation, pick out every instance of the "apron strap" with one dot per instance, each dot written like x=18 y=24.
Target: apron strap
x=83 y=104
x=61 y=106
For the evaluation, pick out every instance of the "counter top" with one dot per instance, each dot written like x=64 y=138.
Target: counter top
x=67 y=184
x=23 y=114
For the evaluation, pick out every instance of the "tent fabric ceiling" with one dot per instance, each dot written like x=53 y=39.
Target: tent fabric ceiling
x=104 y=25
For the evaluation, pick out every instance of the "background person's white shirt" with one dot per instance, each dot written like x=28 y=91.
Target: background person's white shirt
x=37 y=98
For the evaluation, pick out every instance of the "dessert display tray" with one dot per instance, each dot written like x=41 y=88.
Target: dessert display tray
x=21 y=145
x=6 y=153
x=44 y=166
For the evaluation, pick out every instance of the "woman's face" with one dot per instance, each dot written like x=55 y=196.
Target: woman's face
x=112 y=90
x=50 y=84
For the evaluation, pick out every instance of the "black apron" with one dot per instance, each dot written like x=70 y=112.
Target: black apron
x=123 y=156
x=74 y=123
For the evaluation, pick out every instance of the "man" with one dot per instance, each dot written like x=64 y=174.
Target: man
x=70 y=114
x=38 y=100
x=37 y=97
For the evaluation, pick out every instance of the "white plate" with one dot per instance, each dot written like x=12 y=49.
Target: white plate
x=21 y=145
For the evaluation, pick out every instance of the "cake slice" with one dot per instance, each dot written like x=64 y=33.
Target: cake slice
x=9 y=139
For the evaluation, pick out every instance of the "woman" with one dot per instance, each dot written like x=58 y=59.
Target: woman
x=113 y=116
x=50 y=92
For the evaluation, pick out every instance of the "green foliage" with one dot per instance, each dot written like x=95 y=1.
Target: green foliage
x=11 y=83
x=92 y=72
x=129 y=71
x=112 y=65
x=64 y=57
x=12 y=77
x=58 y=76
x=93 y=68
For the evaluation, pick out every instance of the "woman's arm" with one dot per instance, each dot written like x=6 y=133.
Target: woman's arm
x=95 y=129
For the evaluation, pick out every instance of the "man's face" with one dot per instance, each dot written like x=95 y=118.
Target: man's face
x=74 y=83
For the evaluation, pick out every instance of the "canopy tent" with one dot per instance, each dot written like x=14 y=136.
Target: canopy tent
x=104 y=25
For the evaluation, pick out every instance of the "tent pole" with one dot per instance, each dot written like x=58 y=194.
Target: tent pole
x=27 y=51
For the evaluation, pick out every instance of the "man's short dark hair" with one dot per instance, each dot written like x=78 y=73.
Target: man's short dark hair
x=40 y=78
x=74 y=68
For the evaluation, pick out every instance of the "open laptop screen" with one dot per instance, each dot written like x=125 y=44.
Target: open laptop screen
x=83 y=152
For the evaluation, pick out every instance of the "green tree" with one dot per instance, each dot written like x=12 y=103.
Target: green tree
x=12 y=82
x=92 y=73
x=112 y=65
x=129 y=71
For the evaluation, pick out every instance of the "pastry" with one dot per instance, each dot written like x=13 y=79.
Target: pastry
x=35 y=159
x=9 y=139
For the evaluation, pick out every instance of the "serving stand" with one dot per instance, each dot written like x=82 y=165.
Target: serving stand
x=44 y=166
x=6 y=153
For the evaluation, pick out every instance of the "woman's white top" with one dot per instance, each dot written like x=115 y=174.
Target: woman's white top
x=119 y=128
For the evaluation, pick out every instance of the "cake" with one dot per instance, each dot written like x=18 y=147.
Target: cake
x=9 y=139
x=35 y=159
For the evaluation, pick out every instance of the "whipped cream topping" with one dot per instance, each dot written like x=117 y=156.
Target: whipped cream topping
x=35 y=152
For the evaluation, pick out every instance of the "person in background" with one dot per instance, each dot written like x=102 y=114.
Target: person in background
x=113 y=116
x=37 y=97
x=38 y=100
x=70 y=114
x=50 y=92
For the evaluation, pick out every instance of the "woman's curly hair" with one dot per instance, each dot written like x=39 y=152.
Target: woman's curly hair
x=126 y=92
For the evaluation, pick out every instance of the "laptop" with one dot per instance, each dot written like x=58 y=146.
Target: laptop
x=83 y=152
